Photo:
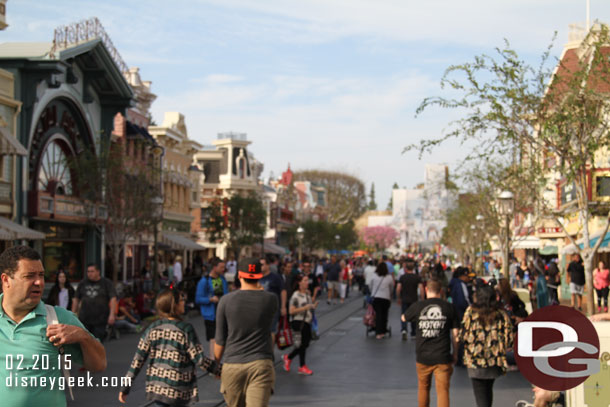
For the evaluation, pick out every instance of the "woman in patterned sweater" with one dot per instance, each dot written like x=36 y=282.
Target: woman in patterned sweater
x=487 y=334
x=174 y=351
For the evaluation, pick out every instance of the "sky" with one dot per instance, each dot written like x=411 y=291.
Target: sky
x=325 y=84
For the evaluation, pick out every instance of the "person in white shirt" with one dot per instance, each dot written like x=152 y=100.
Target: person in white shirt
x=369 y=272
x=231 y=266
x=178 y=270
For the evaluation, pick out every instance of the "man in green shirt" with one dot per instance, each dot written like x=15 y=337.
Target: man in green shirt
x=30 y=370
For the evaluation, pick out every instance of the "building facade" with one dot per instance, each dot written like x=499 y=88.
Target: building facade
x=70 y=91
x=229 y=168
x=419 y=215
x=181 y=185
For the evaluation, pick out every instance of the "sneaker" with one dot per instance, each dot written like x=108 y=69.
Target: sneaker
x=305 y=370
x=404 y=335
x=599 y=309
x=287 y=363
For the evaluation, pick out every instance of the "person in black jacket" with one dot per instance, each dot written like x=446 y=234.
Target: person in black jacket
x=62 y=292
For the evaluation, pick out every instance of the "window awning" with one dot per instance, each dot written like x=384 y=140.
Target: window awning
x=548 y=250
x=271 y=248
x=9 y=145
x=603 y=248
x=10 y=230
x=569 y=249
x=179 y=242
x=528 y=242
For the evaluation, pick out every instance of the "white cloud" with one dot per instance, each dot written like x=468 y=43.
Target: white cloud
x=468 y=22
x=356 y=124
x=216 y=79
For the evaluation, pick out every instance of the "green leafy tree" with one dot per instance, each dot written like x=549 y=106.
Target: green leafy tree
x=551 y=126
x=346 y=194
x=321 y=235
x=372 y=204
x=238 y=221
x=390 y=206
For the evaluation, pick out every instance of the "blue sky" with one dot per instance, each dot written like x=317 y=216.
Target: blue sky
x=315 y=83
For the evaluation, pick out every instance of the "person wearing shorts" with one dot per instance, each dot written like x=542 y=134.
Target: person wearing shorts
x=210 y=290
x=243 y=340
x=332 y=272
x=576 y=278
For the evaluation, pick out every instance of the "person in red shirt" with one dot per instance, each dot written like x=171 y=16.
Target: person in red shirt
x=601 y=282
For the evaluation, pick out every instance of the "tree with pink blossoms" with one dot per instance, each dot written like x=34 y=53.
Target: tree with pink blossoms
x=378 y=237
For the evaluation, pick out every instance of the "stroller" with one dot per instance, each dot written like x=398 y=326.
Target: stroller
x=369 y=321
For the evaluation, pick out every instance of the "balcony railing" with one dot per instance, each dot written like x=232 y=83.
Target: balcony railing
x=6 y=192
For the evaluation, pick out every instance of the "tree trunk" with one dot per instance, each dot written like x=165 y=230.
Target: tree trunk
x=588 y=265
x=236 y=251
x=116 y=255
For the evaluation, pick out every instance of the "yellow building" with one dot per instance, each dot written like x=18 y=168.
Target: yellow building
x=181 y=183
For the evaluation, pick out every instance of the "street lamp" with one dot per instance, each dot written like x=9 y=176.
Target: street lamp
x=464 y=250
x=479 y=219
x=157 y=152
x=506 y=207
x=300 y=234
x=337 y=239
x=474 y=248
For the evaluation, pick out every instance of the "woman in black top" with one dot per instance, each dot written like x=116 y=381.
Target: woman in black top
x=63 y=289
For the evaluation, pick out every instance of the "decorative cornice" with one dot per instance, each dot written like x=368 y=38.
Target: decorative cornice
x=84 y=31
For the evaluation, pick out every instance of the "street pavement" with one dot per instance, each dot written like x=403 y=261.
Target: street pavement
x=350 y=369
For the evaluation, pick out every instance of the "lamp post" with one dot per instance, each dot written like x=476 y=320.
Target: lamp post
x=337 y=239
x=478 y=244
x=158 y=153
x=464 y=251
x=300 y=234
x=473 y=261
x=506 y=207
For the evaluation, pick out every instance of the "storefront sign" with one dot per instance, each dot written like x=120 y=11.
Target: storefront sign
x=549 y=230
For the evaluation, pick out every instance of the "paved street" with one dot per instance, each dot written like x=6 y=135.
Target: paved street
x=350 y=370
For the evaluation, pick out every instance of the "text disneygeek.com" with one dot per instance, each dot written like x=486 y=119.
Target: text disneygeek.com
x=53 y=382
x=19 y=368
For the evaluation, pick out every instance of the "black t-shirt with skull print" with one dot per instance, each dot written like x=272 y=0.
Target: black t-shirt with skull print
x=434 y=318
x=94 y=297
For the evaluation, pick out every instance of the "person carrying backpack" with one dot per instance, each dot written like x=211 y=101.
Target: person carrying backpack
x=210 y=290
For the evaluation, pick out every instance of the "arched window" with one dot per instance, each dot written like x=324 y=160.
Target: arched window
x=54 y=174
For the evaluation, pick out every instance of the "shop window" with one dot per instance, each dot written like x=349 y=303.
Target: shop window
x=603 y=187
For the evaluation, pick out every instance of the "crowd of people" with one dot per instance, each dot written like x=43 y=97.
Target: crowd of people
x=457 y=318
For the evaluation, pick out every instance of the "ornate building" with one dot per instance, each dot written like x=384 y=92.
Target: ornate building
x=181 y=183
x=70 y=91
x=229 y=168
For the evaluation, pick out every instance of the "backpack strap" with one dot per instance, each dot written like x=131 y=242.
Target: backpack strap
x=53 y=320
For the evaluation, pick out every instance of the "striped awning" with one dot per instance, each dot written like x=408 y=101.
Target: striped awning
x=527 y=242
x=10 y=230
x=179 y=242
x=9 y=145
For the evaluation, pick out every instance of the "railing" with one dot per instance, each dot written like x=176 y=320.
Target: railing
x=6 y=192
x=83 y=31
x=232 y=136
